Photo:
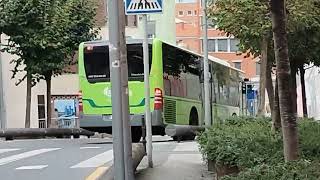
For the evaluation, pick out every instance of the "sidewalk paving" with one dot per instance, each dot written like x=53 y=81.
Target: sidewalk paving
x=174 y=161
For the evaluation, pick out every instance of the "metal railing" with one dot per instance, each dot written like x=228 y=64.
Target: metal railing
x=61 y=122
x=67 y=122
x=42 y=123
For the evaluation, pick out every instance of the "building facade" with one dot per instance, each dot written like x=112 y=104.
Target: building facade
x=65 y=88
x=189 y=35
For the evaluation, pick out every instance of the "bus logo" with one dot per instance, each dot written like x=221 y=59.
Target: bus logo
x=107 y=92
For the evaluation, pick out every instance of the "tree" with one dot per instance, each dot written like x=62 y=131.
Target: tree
x=288 y=118
x=48 y=34
x=240 y=18
x=250 y=21
x=263 y=75
x=70 y=24
x=18 y=20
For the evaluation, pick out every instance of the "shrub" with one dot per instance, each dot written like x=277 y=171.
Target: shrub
x=300 y=170
x=241 y=142
x=309 y=133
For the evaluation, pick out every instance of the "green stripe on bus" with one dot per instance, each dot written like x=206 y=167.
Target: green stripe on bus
x=93 y=104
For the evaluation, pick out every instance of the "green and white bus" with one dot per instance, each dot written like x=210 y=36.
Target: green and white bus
x=176 y=87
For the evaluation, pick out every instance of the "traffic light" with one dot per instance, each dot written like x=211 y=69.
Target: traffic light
x=243 y=88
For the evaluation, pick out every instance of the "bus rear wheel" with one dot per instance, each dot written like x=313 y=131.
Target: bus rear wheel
x=193 y=117
x=136 y=134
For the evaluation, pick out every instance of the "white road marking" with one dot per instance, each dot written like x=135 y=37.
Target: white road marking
x=96 y=161
x=7 y=150
x=17 y=157
x=187 y=146
x=32 y=167
x=90 y=147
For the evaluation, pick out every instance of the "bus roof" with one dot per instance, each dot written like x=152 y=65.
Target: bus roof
x=128 y=41
x=137 y=41
x=210 y=58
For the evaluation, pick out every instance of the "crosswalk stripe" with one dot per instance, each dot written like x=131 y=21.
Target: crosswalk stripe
x=17 y=157
x=96 y=161
x=32 y=167
x=7 y=150
x=136 y=5
x=94 y=147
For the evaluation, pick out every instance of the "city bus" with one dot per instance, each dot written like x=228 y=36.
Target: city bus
x=176 y=87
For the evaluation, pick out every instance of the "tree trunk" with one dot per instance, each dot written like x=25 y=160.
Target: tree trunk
x=28 y=102
x=269 y=87
x=276 y=121
x=48 y=82
x=303 y=92
x=293 y=82
x=263 y=69
x=288 y=118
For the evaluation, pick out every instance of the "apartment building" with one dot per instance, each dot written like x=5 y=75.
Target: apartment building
x=189 y=35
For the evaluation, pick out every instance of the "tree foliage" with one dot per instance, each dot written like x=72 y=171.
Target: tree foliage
x=45 y=33
x=250 y=20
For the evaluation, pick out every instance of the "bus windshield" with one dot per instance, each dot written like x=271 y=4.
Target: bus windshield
x=97 y=64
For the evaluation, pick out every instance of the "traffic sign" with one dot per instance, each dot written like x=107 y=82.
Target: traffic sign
x=143 y=6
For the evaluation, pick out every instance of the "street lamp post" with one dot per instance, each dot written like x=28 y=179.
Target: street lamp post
x=2 y=102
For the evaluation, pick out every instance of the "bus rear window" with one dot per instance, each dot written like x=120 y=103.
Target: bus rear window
x=97 y=64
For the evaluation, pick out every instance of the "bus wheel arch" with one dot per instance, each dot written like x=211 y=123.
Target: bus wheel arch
x=234 y=114
x=194 y=117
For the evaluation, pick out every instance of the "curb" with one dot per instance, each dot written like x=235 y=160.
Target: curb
x=106 y=173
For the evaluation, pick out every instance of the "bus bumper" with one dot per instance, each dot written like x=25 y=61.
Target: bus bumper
x=91 y=121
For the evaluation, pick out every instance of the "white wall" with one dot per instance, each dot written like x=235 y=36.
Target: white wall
x=15 y=96
x=312 y=82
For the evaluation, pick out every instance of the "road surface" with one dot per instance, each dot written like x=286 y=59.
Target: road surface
x=77 y=159
x=52 y=159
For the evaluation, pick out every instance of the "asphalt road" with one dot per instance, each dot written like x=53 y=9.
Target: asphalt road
x=52 y=159
x=77 y=159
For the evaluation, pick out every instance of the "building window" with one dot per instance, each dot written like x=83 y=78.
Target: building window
x=195 y=12
x=237 y=65
x=41 y=111
x=222 y=45
x=180 y=13
x=189 y=13
x=234 y=45
x=211 y=45
x=131 y=20
x=257 y=68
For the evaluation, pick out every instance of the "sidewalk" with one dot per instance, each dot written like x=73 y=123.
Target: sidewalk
x=174 y=161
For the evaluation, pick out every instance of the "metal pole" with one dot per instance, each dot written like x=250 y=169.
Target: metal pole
x=129 y=174
x=2 y=104
x=147 y=90
x=246 y=99
x=115 y=69
x=207 y=102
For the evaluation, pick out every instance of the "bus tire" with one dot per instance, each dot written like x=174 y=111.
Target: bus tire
x=76 y=136
x=136 y=134
x=193 y=117
x=234 y=115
